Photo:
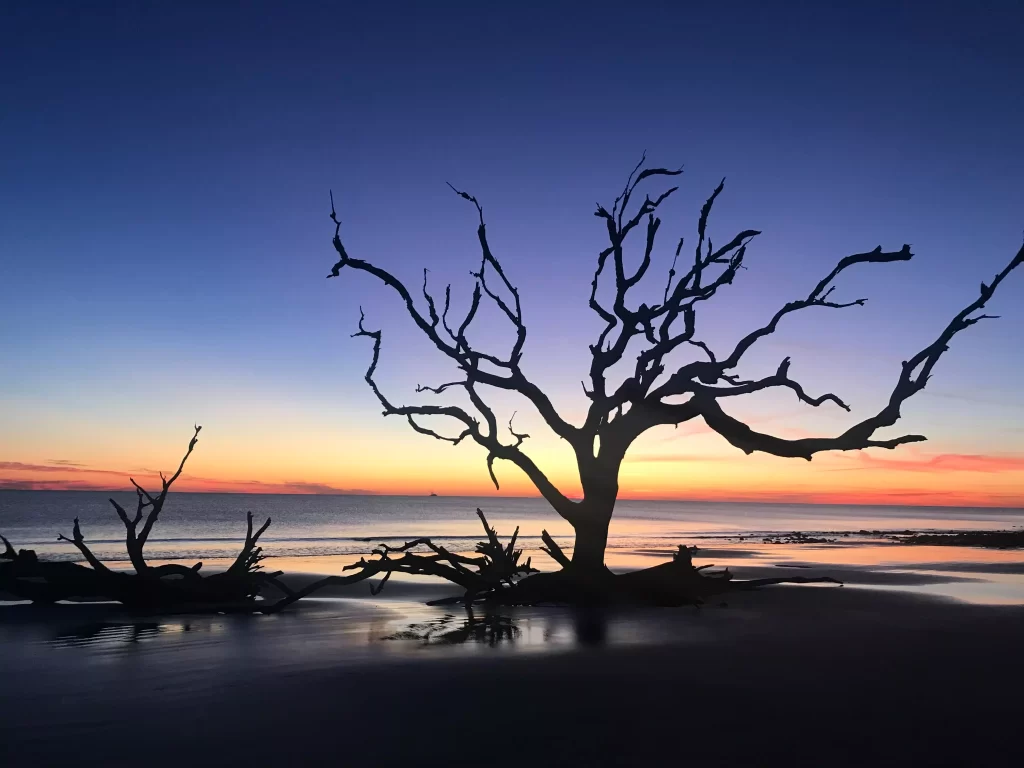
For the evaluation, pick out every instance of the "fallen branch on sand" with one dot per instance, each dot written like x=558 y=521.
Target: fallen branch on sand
x=494 y=568
x=677 y=582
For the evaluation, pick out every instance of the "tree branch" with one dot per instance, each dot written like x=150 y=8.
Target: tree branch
x=79 y=541
x=471 y=427
x=818 y=297
x=461 y=351
x=249 y=558
x=914 y=376
x=157 y=504
x=680 y=302
x=780 y=379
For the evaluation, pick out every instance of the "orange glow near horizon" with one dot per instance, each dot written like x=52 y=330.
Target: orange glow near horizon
x=909 y=478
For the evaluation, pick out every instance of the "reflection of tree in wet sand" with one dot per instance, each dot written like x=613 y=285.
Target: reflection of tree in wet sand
x=489 y=629
x=111 y=634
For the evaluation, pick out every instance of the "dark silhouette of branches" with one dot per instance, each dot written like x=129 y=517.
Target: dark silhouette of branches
x=653 y=391
x=485 y=576
x=167 y=587
x=479 y=368
x=495 y=567
x=491 y=629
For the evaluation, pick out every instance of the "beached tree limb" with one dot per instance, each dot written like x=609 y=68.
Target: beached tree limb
x=652 y=391
x=552 y=550
x=249 y=558
x=496 y=567
x=483 y=577
x=167 y=587
x=79 y=541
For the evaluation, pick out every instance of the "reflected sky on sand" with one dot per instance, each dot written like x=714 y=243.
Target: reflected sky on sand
x=348 y=625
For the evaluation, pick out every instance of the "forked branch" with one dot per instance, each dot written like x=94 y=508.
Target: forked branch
x=913 y=377
x=481 y=424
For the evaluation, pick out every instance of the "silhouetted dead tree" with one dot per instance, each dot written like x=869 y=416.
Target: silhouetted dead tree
x=653 y=392
x=171 y=586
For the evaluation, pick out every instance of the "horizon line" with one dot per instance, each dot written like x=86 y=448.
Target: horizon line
x=376 y=494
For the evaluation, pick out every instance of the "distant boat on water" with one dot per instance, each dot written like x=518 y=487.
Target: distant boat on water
x=433 y=494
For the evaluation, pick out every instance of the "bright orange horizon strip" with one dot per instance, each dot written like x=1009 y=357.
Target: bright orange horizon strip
x=393 y=463
x=943 y=480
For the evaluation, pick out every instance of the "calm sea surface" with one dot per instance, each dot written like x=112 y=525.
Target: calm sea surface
x=210 y=526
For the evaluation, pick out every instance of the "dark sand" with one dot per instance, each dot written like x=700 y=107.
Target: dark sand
x=786 y=676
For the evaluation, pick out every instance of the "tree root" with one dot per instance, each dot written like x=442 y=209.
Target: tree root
x=674 y=583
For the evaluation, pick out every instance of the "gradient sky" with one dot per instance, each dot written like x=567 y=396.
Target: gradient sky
x=164 y=235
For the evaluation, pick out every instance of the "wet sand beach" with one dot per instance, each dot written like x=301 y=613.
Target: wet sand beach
x=878 y=672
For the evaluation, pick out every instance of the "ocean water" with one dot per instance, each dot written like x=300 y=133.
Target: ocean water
x=211 y=526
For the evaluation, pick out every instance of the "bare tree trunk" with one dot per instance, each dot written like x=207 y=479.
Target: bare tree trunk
x=592 y=537
x=135 y=555
x=600 y=480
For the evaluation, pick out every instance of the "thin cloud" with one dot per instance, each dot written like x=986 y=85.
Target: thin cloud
x=48 y=485
x=20 y=466
x=689 y=429
x=698 y=427
x=291 y=486
x=676 y=458
x=855 y=497
x=981 y=400
x=945 y=462
x=186 y=483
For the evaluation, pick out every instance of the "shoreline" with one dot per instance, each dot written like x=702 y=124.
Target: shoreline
x=981 y=508
x=993 y=538
x=971 y=573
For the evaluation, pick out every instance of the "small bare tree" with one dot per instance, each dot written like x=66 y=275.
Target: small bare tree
x=653 y=392
x=166 y=587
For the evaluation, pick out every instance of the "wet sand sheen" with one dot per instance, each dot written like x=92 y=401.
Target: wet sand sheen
x=823 y=676
x=888 y=670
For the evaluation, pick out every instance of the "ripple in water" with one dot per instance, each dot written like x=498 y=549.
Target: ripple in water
x=114 y=635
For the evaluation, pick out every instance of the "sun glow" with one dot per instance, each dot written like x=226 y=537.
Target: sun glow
x=409 y=465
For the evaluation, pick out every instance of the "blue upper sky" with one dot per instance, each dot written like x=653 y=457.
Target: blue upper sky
x=165 y=173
